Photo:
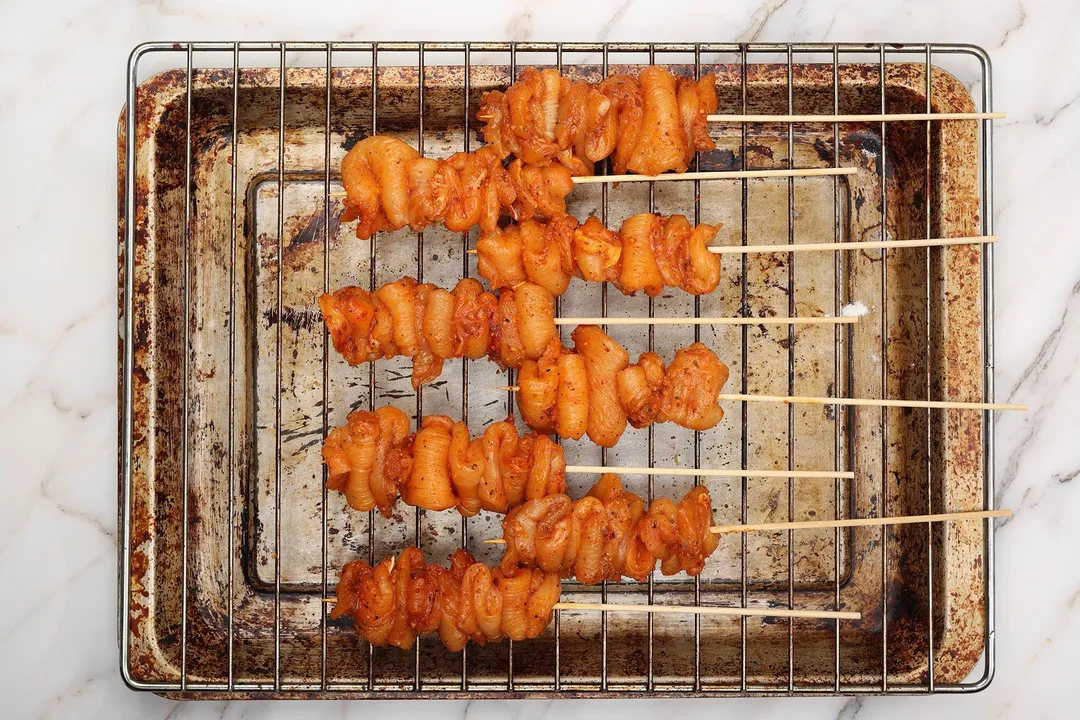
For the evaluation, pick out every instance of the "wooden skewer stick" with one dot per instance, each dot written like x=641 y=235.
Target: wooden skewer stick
x=705 y=175
x=842 y=320
x=842 y=522
x=701 y=610
x=861 y=245
x=873 y=402
x=716 y=175
x=860 y=522
x=869 y=402
x=711 y=610
x=710 y=472
x=828 y=320
x=888 y=117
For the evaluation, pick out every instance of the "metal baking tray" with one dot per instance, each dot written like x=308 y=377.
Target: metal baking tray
x=228 y=232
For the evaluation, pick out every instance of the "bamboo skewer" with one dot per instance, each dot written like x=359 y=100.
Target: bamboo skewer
x=710 y=472
x=887 y=117
x=716 y=175
x=842 y=523
x=700 y=610
x=860 y=522
x=860 y=245
x=867 y=402
x=873 y=402
x=824 y=320
x=842 y=320
x=712 y=610
x=704 y=175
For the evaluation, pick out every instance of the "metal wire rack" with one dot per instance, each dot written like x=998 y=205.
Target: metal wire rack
x=207 y=607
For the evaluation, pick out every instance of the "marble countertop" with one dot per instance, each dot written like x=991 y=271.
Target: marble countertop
x=60 y=92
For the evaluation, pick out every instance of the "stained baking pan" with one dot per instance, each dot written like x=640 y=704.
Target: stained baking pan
x=228 y=232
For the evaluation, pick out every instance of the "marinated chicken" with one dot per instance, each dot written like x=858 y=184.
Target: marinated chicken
x=609 y=534
x=649 y=253
x=388 y=186
x=597 y=391
x=647 y=125
x=374 y=458
x=604 y=360
x=430 y=324
x=403 y=597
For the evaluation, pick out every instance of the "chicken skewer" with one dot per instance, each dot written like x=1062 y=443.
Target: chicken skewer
x=842 y=523
x=610 y=534
x=593 y=389
x=403 y=597
x=374 y=459
x=649 y=252
x=854 y=402
x=388 y=185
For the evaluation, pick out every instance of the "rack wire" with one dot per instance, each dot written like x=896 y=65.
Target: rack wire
x=322 y=682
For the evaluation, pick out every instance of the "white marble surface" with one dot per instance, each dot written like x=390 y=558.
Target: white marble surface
x=61 y=88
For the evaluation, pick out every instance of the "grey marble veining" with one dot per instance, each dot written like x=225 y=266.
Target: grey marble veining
x=61 y=89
